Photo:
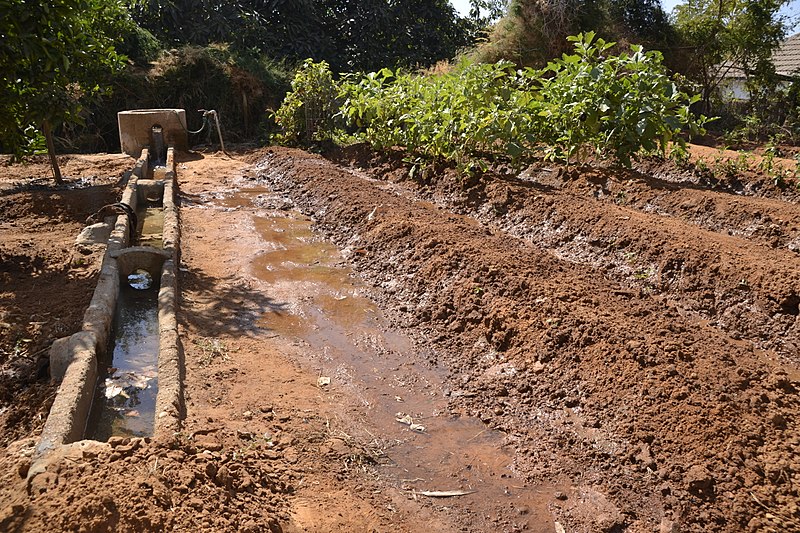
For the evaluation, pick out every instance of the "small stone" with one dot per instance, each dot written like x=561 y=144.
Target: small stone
x=271 y=455
x=606 y=522
x=224 y=478
x=176 y=455
x=195 y=503
x=17 y=509
x=778 y=421
x=668 y=526
x=250 y=527
x=41 y=483
x=571 y=401
x=208 y=442
x=246 y=483
x=118 y=441
x=23 y=467
x=247 y=415
x=560 y=496
x=699 y=481
x=291 y=456
x=89 y=453
x=128 y=448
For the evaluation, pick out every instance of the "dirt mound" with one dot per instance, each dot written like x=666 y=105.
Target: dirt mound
x=35 y=171
x=727 y=259
x=136 y=485
x=623 y=389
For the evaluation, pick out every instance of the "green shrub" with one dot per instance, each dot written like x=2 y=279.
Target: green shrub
x=241 y=86
x=307 y=112
x=139 y=46
x=616 y=106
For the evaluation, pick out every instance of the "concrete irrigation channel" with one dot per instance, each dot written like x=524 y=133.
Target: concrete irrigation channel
x=120 y=375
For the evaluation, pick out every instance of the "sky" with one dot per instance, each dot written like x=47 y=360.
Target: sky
x=792 y=9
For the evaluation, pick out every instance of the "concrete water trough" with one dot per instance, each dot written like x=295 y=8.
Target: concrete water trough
x=121 y=374
x=138 y=129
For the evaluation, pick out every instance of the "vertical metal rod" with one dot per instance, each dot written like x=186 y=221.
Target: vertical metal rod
x=219 y=131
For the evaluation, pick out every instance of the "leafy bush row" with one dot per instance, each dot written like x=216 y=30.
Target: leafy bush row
x=615 y=106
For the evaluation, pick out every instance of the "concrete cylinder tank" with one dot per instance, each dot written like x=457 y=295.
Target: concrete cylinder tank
x=136 y=128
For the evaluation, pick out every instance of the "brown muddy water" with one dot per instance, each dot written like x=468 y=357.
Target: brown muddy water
x=383 y=373
x=151 y=226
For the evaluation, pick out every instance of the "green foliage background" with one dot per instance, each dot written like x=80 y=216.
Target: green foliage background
x=616 y=106
x=348 y=35
x=75 y=63
x=54 y=57
x=239 y=85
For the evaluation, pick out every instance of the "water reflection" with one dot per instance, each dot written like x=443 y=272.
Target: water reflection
x=126 y=393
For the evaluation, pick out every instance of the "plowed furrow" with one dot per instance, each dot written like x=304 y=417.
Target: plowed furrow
x=614 y=388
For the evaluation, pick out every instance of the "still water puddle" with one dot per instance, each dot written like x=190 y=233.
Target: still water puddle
x=151 y=227
x=350 y=342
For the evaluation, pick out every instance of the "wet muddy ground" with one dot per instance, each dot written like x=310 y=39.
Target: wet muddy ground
x=394 y=397
x=582 y=350
x=384 y=398
x=647 y=358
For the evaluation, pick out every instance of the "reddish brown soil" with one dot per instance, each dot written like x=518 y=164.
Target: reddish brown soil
x=726 y=258
x=44 y=285
x=263 y=448
x=264 y=382
x=633 y=335
x=671 y=394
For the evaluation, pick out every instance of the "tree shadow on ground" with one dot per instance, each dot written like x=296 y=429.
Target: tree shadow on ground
x=228 y=305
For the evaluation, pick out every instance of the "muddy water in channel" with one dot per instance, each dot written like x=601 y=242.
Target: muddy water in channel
x=151 y=226
x=351 y=345
x=125 y=400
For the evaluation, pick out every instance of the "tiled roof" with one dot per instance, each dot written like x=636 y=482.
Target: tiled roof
x=787 y=57
x=728 y=70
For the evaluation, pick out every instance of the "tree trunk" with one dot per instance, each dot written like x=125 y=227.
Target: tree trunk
x=245 y=112
x=51 y=151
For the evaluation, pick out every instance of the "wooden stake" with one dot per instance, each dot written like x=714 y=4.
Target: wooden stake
x=51 y=151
